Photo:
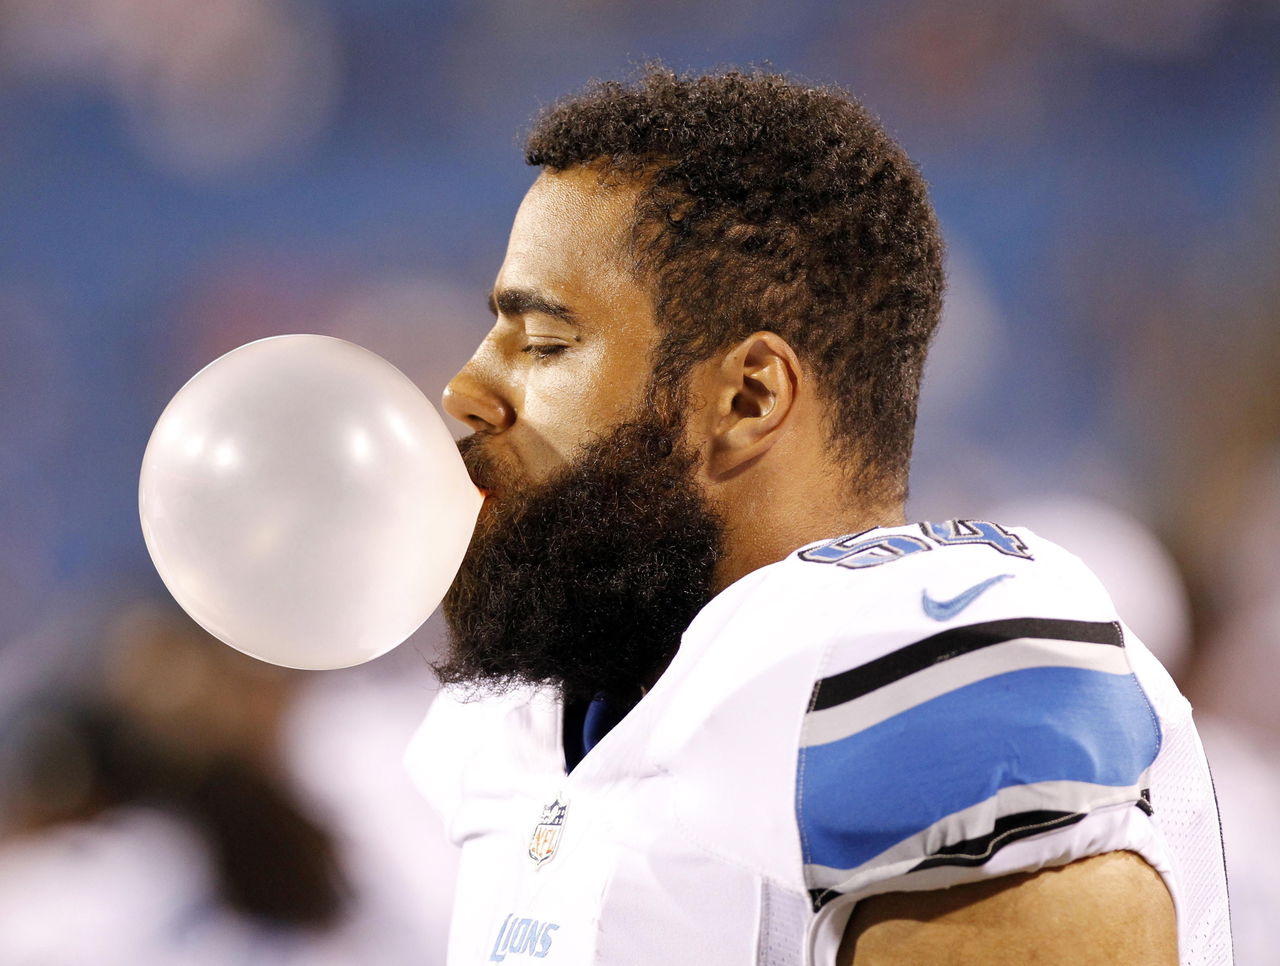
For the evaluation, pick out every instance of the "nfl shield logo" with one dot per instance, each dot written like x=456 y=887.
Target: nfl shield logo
x=546 y=834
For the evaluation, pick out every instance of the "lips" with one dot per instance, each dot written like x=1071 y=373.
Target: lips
x=488 y=501
x=492 y=473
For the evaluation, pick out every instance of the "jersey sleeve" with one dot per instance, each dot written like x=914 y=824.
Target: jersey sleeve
x=1007 y=738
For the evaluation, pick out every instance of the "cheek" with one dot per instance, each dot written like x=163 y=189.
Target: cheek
x=585 y=393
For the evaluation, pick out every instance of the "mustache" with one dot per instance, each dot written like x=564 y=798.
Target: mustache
x=495 y=473
x=486 y=470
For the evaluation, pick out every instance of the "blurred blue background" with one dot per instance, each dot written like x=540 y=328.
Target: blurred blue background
x=178 y=177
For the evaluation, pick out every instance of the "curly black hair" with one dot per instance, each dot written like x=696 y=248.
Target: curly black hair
x=767 y=204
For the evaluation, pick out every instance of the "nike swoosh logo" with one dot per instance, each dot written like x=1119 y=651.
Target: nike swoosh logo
x=944 y=610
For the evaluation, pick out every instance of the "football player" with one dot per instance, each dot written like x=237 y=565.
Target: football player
x=712 y=699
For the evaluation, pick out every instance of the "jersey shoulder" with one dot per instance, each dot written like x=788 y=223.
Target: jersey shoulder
x=866 y=603
x=935 y=574
x=973 y=712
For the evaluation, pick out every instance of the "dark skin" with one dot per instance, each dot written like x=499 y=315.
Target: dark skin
x=569 y=357
x=755 y=415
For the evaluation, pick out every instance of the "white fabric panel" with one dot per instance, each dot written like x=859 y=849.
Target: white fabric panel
x=680 y=841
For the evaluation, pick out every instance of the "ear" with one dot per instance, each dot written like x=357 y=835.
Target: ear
x=753 y=391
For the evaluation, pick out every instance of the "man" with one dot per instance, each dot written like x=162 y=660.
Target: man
x=712 y=700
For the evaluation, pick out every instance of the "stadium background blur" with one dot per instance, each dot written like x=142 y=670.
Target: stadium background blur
x=178 y=177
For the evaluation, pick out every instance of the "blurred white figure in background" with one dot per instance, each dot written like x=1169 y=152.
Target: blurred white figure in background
x=209 y=809
x=344 y=741
x=1240 y=681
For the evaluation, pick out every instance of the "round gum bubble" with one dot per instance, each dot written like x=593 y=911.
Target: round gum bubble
x=304 y=502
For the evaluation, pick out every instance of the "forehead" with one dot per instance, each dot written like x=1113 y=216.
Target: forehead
x=569 y=238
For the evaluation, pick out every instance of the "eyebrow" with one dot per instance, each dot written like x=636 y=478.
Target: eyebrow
x=521 y=301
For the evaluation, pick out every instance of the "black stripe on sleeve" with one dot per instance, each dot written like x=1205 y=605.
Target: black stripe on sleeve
x=1007 y=829
x=945 y=645
x=979 y=850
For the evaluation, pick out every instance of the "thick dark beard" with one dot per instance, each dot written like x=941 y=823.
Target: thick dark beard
x=586 y=582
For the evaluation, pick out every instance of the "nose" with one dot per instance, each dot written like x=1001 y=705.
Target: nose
x=471 y=399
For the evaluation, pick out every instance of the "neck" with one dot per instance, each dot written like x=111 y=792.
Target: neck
x=760 y=541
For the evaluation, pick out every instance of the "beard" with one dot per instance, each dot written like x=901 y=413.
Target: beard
x=585 y=582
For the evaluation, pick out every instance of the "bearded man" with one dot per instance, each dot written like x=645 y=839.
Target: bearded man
x=710 y=699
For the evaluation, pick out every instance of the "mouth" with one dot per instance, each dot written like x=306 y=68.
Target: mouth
x=487 y=502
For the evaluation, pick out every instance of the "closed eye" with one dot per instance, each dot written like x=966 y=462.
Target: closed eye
x=544 y=351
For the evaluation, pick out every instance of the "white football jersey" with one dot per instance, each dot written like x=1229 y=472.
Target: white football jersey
x=903 y=709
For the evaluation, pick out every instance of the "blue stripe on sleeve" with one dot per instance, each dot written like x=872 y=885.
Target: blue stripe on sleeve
x=862 y=794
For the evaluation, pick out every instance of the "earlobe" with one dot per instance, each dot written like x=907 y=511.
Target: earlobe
x=758 y=381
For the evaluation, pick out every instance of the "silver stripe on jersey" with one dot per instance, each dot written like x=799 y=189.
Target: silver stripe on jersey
x=1068 y=796
x=843 y=720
